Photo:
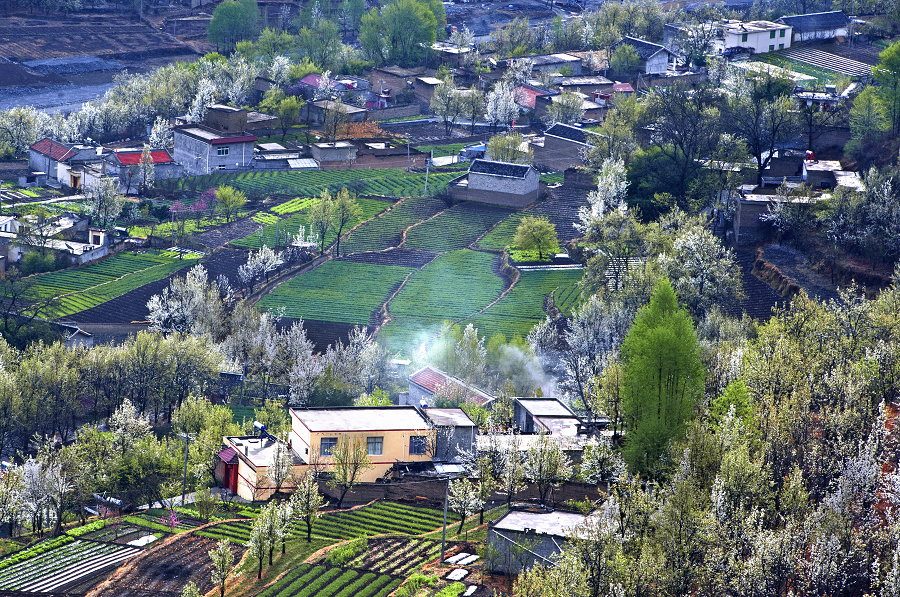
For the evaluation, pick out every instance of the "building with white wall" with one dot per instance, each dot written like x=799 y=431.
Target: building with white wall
x=201 y=149
x=757 y=36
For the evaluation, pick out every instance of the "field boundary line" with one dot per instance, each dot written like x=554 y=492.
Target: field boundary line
x=278 y=281
x=503 y=294
x=386 y=317
x=375 y=217
x=408 y=228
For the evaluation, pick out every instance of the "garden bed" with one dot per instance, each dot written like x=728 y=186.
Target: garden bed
x=397 y=556
x=322 y=581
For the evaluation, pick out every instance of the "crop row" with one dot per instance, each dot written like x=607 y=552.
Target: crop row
x=318 y=581
x=369 y=208
x=37 y=568
x=386 y=231
x=454 y=286
x=455 y=228
x=35 y=550
x=523 y=307
x=338 y=291
x=377 y=519
x=568 y=298
x=396 y=556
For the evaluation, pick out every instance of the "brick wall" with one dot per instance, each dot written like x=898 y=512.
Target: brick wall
x=402 y=111
x=558 y=154
x=831 y=137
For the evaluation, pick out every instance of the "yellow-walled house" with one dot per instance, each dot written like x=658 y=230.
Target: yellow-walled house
x=392 y=434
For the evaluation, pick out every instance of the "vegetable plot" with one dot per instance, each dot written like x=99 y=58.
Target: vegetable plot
x=63 y=566
x=523 y=307
x=320 y=581
x=338 y=291
x=396 y=556
x=455 y=228
x=453 y=286
x=386 y=231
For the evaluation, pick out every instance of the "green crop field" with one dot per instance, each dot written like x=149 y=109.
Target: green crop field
x=385 y=231
x=291 y=225
x=451 y=287
x=84 y=287
x=503 y=234
x=523 y=307
x=339 y=291
x=392 y=182
x=552 y=178
x=825 y=76
x=455 y=228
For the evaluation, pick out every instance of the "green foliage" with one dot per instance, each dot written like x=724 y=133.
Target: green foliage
x=399 y=31
x=735 y=396
x=340 y=291
x=342 y=554
x=414 y=583
x=88 y=528
x=452 y=590
x=378 y=397
x=511 y=148
x=624 y=59
x=455 y=228
x=663 y=380
x=887 y=74
x=536 y=234
x=233 y=22
x=229 y=201
x=36 y=550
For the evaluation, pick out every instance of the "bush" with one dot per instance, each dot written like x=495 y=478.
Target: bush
x=416 y=582
x=88 y=528
x=453 y=590
x=35 y=263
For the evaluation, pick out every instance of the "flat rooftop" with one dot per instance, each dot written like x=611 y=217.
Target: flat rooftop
x=752 y=27
x=354 y=418
x=558 y=524
x=259 y=451
x=546 y=408
x=446 y=417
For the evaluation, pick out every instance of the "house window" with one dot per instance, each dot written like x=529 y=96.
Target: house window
x=780 y=46
x=771 y=48
x=326 y=445
x=95 y=239
x=772 y=34
x=375 y=445
x=781 y=33
x=220 y=168
x=744 y=37
x=222 y=151
x=417 y=445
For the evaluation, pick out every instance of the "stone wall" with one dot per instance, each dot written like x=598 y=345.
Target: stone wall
x=402 y=111
x=558 y=154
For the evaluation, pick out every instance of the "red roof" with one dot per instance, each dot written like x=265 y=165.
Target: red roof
x=428 y=378
x=131 y=158
x=228 y=456
x=56 y=151
x=526 y=95
x=623 y=88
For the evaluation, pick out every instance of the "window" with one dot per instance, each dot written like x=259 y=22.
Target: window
x=222 y=151
x=772 y=34
x=744 y=37
x=781 y=33
x=220 y=167
x=771 y=48
x=375 y=445
x=417 y=445
x=326 y=445
x=780 y=46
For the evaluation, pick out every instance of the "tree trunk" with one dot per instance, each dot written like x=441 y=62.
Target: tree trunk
x=462 y=521
x=309 y=531
x=259 y=572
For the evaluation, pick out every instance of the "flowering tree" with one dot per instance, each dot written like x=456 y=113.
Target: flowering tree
x=128 y=426
x=222 y=559
x=546 y=465
x=306 y=501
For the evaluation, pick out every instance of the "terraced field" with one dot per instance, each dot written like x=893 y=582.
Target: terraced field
x=386 y=231
x=338 y=291
x=369 y=208
x=561 y=209
x=391 y=182
x=455 y=228
x=314 y=581
x=81 y=288
x=523 y=308
x=453 y=286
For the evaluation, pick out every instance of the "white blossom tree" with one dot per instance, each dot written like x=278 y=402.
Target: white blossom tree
x=161 y=135
x=128 y=426
x=465 y=501
x=500 y=105
x=546 y=465
x=222 y=559
x=612 y=187
x=307 y=501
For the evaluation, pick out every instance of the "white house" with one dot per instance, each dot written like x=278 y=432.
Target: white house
x=758 y=36
x=497 y=183
x=655 y=59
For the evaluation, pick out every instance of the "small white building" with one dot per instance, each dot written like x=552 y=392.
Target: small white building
x=497 y=183
x=655 y=59
x=757 y=36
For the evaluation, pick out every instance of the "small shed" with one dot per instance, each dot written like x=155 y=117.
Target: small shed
x=819 y=25
x=454 y=431
x=547 y=531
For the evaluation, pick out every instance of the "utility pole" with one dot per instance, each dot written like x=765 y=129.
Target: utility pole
x=187 y=442
x=444 y=531
x=407 y=152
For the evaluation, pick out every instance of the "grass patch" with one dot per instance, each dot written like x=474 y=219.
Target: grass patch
x=298 y=550
x=442 y=150
x=824 y=76
x=339 y=291
x=455 y=228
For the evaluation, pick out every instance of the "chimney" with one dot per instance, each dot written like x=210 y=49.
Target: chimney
x=246 y=451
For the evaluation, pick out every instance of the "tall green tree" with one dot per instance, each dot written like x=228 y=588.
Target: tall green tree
x=887 y=74
x=399 y=31
x=346 y=209
x=233 y=22
x=662 y=379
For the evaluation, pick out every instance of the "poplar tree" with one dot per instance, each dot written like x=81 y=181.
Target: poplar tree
x=662 y=379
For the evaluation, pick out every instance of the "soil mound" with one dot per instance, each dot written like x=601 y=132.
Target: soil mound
x=16 y=75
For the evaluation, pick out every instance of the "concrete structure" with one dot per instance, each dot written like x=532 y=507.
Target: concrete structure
x=454 y=431
x=315 y=112
x=554 y=63
x=428 y=381
x=201 y=149
x=391 y=78
x=341 y=151
x=757 y=36
x=816 y=26
x=497 y=183
x=275 y=156
x=392 y=434
x=564 y=147
x=243 y=463
x=544 y=415
x=592 y=110
x=586 y=84
x=819 y=174
x=655 y=59
x=547 y=530
x=424 y=88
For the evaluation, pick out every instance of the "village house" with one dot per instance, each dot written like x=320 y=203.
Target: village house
x=454 y=431
x=564 y=146
x=566 y=64
x=545 y=531
x=654 y=58
x=392 y=78
x=123 y=162
x=65 y=163
x=757 y=36
x=817 y=26
x=429 y=380
x=20 y=174
x=545 y=415
x=586 y=84
x=201 y=149
x=592 y=110
x=497 y=183
x=315 y=112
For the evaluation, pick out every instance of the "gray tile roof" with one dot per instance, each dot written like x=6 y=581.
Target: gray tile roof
x=499 y=169
x=644 y=49
x=571 y=133
x=816 y=21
